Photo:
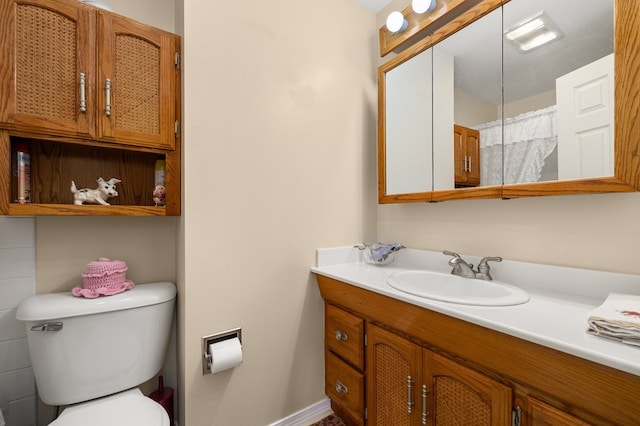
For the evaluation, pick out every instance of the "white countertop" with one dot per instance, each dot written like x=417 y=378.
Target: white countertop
x=561 y=300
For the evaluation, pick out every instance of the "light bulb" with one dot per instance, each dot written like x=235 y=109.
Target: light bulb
x=422 y=6
x=396 y=22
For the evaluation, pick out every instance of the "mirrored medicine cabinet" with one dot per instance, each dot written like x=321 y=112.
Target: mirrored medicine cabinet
x=513 y=99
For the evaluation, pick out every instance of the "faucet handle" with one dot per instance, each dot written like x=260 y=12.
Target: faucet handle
x=484 y=268
x=450 y=253
x=484 y=260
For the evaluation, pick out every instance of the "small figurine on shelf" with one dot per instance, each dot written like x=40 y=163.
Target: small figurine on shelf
x=159 y=194
x=105 y=189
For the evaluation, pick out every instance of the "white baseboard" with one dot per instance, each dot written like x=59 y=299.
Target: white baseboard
x=307 y=416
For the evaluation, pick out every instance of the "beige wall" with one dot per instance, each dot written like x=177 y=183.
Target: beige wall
x=159 y=13
x=279 y=160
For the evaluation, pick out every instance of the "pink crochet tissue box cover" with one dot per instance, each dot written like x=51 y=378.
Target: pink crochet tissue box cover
x=103 y=277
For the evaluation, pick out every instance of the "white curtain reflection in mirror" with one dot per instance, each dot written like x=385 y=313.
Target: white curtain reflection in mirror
x=528 y=139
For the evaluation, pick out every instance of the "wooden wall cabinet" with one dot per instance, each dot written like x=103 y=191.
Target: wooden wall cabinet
x=466 y=155
x=93 y=94
x=426 y=368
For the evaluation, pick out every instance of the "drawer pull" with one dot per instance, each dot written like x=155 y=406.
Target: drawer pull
x=340 y=388
x=107 y=103
x=341 y=335
x=83 y=93
x=425 y=413
x=410 y=402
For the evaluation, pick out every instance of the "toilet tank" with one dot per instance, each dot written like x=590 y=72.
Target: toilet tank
x=101 y=346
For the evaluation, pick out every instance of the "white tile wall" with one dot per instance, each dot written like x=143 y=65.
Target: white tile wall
x=17 y=282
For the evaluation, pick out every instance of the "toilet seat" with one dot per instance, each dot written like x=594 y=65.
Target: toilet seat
x=129 y=408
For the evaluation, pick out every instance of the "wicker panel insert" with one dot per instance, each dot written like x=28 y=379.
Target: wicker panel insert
x=391 y=375
x=136 y=97
x=458 y=405
x=45 y=63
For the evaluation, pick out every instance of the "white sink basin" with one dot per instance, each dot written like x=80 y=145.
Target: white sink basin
x=455 y=289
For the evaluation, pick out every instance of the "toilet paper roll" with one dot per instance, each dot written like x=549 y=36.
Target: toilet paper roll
x=225 y=354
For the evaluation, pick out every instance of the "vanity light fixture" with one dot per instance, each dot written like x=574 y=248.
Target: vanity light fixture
x=533 y=32
x=396 y=22
x=423 y=6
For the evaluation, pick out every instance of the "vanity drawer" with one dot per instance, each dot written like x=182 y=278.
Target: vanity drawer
x=344 y=335
x=345 y=386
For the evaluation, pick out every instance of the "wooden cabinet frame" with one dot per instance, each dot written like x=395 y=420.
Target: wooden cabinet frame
x=82 y=145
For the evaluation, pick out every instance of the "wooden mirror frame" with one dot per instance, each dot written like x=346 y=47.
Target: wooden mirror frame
x=626 y=176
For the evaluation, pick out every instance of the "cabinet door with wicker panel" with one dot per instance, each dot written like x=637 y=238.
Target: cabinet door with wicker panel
x=47 y=72
x=541 y=414
x=136 y=83
x=393 y=376
x=457 y=395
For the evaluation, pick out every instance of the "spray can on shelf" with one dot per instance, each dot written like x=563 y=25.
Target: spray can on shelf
x=20 y=173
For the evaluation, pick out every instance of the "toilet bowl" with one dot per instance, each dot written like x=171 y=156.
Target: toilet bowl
x=129 y=408
x=90 y=355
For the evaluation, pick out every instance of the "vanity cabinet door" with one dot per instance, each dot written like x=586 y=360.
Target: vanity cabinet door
x=541 y=414
x=344 y=385
x=457 y=395
x=344 y=363
x=136 y=83
x=393 y=372
x=344 y=335
x=48 y=70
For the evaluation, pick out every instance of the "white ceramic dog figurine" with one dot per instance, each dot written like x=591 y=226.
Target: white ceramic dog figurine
x=105 y=189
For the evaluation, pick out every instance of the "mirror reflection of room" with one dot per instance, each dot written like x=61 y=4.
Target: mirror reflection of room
x=558 y=89
x=467 y=69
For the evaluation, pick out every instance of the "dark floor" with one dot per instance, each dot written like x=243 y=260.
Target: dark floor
x=331 y=420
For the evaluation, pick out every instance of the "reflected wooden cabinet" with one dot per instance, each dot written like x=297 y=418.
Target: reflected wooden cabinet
x=421 y=367
x=93 y=94
x=466 y=156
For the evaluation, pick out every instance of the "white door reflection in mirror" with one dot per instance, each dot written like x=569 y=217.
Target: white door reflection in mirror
x=585 y=121
x=408 y=106
x=464 y=101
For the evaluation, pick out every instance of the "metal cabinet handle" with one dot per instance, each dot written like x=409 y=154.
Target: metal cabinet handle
x=469 y=170
x=425 y=413
x=340 y=388
x=48 y=326
x=83 y=93
x=341 y=335
x=410 y=402
x=107 y=106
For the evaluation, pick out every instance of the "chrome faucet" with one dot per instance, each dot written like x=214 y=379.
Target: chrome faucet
x=464 y=269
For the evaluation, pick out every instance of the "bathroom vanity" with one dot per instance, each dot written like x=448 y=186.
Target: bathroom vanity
x=394 y=358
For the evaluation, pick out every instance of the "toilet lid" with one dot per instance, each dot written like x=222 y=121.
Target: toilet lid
x=129 y=408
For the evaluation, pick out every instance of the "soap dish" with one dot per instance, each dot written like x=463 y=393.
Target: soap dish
x=379 y=253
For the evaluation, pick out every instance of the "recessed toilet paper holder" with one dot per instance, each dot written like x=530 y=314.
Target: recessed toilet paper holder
x=215 y=338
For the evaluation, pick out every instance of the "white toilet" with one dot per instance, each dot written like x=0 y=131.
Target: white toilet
x=91 y=354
